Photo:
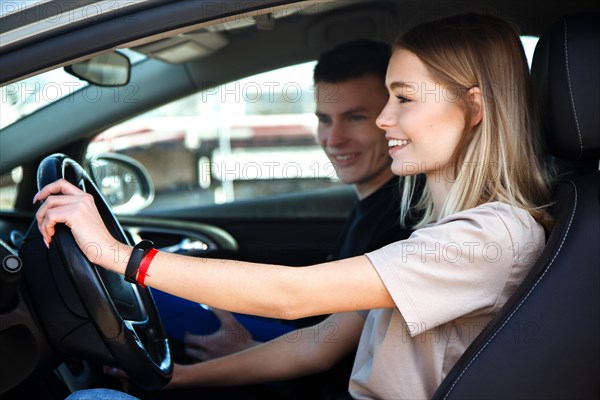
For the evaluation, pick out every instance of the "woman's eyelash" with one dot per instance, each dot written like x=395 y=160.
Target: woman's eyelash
x=402 y=99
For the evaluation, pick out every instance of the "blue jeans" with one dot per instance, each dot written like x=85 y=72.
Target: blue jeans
x=99 y=394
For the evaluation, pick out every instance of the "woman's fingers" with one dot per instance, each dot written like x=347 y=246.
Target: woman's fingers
x=61 y=186
x=54 y=210
x=63 y=209
x=67 y=204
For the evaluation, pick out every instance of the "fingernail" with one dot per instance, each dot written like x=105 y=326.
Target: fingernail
x=46 y=243
x=35 y=198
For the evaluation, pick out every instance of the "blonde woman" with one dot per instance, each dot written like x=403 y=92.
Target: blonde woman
x=459 y=111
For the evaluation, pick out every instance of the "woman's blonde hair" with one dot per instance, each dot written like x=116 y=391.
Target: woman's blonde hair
x=499 y=159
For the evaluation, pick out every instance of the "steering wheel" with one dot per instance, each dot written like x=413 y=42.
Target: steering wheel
x=124 y=314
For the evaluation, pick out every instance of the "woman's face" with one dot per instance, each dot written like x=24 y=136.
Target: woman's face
x=423 y=119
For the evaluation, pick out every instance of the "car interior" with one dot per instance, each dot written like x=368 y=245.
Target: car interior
x=62 y=318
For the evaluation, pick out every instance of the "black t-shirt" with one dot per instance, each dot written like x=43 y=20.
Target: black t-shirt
x=373 y=223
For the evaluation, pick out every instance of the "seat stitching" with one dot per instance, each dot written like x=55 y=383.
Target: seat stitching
x=522 y=301
x=571 y=94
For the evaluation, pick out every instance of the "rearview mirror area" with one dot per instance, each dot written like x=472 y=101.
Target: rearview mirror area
x=124 y=182
x=109 y=70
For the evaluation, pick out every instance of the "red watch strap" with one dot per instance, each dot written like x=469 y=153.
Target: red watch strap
x=144 y=264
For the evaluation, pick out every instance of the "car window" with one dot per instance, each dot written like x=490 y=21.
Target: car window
x=8 y=188
x=529 y=43
x=242 y=140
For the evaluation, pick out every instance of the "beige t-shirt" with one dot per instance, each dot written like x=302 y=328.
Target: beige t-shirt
x=447 y=280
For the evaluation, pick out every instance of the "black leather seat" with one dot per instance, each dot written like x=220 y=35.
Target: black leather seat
x=545 y=344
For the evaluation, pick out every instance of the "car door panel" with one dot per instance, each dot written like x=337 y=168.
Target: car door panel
x=294 y=230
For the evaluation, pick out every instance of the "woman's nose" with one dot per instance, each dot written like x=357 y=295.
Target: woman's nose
x=386 y=118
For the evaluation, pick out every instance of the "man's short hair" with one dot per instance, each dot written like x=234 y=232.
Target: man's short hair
x=353 y=60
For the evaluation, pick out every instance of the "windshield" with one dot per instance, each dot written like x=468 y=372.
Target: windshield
x=22 y=98
x=19 y=99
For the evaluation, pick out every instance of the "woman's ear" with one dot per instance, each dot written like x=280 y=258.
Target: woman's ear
x=476 y=105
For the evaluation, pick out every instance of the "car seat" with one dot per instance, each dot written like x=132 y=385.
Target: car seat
x=545 y=342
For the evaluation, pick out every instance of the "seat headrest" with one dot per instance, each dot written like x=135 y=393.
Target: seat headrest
x=566 y=84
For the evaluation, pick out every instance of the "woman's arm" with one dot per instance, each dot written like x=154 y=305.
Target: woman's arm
x=299 y=353
x=259 y=289
x=270 y=290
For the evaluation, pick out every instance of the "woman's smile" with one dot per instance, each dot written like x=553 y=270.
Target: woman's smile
x=396 y=145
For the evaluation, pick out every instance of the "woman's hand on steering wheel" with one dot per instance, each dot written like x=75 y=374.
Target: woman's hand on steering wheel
x=66 y=203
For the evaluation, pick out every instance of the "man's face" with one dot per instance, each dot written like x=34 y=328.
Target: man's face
x=347 y=132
